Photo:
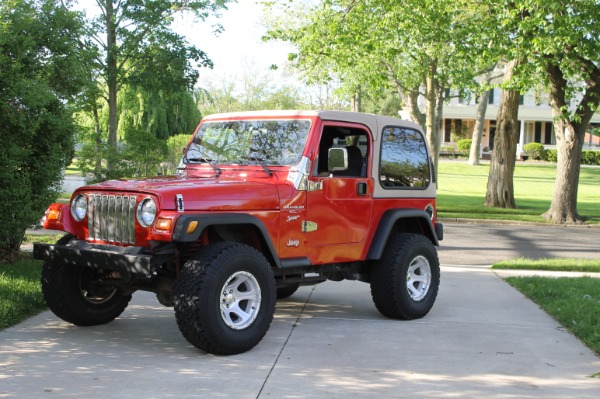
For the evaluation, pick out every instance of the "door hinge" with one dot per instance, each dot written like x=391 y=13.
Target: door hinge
x=307 y=227
x=315 y=185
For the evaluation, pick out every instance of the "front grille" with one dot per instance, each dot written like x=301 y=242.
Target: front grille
x=111 y=218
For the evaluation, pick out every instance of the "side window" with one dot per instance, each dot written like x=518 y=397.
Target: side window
x=404 y=160
x=356 y=142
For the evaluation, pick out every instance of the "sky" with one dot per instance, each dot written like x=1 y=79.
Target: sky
x=239 y=46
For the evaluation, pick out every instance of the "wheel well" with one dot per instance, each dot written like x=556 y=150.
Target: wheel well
x=232 y=227
x=400 y=221
x=412 y=225
x=247 y=234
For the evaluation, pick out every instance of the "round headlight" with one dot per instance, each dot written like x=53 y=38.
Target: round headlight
x=146 y=212
x=79 y=207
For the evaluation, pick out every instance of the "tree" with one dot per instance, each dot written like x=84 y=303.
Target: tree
x=500 y=188
x=39 y=76
x=560 y=39
x=134 y=45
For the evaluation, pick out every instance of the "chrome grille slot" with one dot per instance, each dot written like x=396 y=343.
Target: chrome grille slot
x=111 y=218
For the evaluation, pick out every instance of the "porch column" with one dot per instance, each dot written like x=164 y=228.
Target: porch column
x=521 y=142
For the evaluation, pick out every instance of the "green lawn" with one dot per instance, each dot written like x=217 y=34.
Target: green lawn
x=462 y=190
x=20 y=292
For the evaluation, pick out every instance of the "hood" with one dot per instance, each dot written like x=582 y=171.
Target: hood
x=199 y=194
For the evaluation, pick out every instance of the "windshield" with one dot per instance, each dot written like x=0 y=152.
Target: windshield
x=271 y=142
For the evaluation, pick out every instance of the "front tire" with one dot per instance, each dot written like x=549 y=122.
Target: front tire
x=405 y=281
x=225 y=298
x=73 y=293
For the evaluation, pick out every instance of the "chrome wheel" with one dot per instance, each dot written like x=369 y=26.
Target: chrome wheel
x=240 y=300
x=418 y=278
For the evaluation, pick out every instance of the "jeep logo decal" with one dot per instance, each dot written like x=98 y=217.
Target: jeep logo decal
x=293 y=243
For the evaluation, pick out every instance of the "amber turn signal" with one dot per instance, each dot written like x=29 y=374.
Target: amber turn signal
x=192 y=227
x=163 y=224
x=53 y=214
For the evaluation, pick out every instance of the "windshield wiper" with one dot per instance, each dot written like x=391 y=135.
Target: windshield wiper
x=203 y=160
x=261 y=162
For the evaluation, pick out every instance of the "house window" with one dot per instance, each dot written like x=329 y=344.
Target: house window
x=447 y=130
x=548 y=133
x=521 y=99
x=491 y=100
x=404 y=160
x=538 y=132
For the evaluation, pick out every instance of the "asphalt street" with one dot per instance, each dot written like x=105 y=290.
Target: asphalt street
x=481 y=339
x=484 y=244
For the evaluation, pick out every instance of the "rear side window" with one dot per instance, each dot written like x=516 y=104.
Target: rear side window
x=404 y=160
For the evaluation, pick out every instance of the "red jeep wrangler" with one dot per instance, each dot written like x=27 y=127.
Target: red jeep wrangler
x=263 y=202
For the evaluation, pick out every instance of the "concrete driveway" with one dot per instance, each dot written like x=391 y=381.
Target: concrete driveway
x=482 y=339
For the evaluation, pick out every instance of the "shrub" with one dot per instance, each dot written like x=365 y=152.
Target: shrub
x=551 y=156
x=447 y=150
x=590 y=158
x=39 y=74
x=535 y=151
x=464 y=146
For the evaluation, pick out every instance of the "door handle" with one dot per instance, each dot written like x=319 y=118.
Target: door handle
x=361 y=188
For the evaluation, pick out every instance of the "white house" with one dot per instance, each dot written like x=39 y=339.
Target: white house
x=535 y=116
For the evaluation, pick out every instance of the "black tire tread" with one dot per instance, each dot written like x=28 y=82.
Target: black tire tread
x=196 y=284
x=63 y=299
x=387 y=283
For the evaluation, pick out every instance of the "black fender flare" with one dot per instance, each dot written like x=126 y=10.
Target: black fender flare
x=204 y=220
x=387 y=222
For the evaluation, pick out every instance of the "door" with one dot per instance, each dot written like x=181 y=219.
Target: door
x=339 y=202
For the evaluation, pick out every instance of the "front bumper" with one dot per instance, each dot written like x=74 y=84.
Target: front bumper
x=126 y=260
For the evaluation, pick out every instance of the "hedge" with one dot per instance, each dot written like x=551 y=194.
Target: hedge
x=587 y=157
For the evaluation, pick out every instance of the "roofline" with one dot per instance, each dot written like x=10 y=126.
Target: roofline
x=374 y=122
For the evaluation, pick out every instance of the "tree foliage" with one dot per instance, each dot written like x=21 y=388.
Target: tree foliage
x=415 y=47
x=39 y=76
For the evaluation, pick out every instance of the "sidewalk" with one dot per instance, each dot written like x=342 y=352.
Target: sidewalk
x=482 y=339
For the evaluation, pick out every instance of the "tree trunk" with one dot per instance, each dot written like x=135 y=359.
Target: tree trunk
x=111 y=81
x=500 y=188
x=431 y=101
x=478 y=130
x=357 y=101
x=569 y=142
x=99 y=149
x=570 y=136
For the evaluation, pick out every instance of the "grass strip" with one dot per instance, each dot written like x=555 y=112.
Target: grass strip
x=555 y=264
x=573 y=302
x=20 y=291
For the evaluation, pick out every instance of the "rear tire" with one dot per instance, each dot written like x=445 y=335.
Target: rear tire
x=73 y=293
x=405 y=281
x=225 y=298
